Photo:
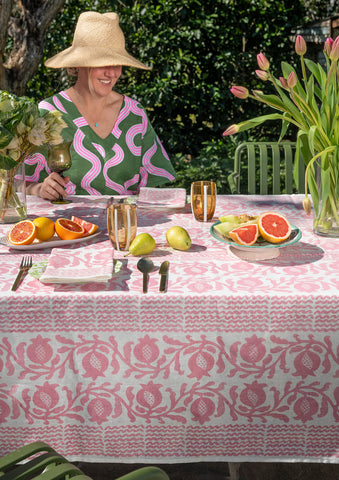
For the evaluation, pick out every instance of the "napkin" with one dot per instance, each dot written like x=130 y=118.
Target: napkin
x=93 y=263
x=162 y=197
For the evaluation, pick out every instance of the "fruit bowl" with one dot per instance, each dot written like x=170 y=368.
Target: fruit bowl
x=261 y=250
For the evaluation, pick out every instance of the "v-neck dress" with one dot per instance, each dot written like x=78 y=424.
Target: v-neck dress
x=130 y=157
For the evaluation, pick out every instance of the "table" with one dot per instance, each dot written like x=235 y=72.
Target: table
x=237 y=361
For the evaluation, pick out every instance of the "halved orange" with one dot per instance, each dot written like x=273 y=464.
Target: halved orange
x=274 y=227
x=245 y=235
x=86 y=225
x=68 y=230
x=22 y=233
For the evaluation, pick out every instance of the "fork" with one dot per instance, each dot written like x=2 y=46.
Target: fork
x=25 y=265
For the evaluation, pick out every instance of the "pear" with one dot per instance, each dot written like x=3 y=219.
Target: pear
x=143 y=244
x=178 y=238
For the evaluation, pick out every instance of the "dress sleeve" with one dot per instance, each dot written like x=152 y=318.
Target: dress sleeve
x=156 y=166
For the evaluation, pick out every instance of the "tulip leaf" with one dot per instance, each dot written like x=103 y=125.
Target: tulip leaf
x=7 y=163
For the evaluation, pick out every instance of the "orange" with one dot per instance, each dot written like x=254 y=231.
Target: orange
x=87 y=226
x=274 y=227
x=68 y=230
x=245 y=235
x=45 y=228
x=22 y=233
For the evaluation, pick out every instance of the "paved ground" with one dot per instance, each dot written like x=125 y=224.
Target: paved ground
x=219 y=471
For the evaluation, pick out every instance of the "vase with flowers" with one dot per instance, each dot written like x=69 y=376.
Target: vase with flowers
x=312 y=105
x=22 y=129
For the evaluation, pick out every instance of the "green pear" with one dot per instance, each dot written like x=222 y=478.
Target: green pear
x=178 y=238
x=143 y=244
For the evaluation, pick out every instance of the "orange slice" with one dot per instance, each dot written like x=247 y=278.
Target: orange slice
x=68 y=230
x=22 y=233
x=246 y=235
x=274 y=227
x=86 y=225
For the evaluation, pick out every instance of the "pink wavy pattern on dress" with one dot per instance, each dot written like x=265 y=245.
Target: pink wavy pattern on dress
x=144 y=176
x=161 y=172
x=80 y=122
x=130 y=106
x=162 y=149
x=93 y=159
x=131 y=133
x=65 y=95
x=40 y=160
x=100 y=149
x=130 y=182
x=46 y=106
x=59 y=104
x=112 y=162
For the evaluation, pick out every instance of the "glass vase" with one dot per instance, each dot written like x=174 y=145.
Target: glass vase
x=326 y=216
x=13 y=194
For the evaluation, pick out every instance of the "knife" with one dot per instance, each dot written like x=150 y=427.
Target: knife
x=163 y=271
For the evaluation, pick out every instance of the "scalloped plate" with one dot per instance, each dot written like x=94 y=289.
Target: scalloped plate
x=262 y=249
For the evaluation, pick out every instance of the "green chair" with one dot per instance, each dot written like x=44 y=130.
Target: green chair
x=274 y=162
x=39 y=461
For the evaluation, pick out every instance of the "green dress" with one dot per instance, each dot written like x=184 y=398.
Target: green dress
x=131 y=157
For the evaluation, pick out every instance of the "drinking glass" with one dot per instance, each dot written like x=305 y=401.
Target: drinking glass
x=59 y=160
x=121 y=224
x=203 y=200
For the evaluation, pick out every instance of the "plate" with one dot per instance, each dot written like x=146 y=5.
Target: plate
x=260 y=250
x=53 y=242
x=160 y=206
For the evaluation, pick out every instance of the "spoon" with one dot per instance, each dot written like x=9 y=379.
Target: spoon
x=163 y=270
x=145 y=266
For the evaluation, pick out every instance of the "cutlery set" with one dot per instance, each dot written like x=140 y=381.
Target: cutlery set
x=146 y=266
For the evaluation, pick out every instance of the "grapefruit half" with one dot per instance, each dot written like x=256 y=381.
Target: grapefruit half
x=86 y=225
x=22 y=233
x=245 y=235
x=274 y=227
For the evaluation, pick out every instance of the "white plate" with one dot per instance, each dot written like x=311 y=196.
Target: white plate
x=161 y=206
x=53 y=242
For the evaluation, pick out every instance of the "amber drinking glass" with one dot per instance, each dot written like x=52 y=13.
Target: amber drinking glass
x=121 y=224
x=59 y=160
x=203 y=200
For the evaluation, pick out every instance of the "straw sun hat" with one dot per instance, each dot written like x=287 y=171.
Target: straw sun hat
x=98 y=42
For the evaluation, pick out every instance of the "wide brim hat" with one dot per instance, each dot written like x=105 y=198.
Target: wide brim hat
x=98 y=42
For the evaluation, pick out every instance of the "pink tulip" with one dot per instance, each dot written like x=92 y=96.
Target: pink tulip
x=292 y=80
x=328 y=46
x=232 y=130
x=240 y=92
x=334 y=55
x=262 y=75
x=283 y=82
x=263 y=63
x=300 y=45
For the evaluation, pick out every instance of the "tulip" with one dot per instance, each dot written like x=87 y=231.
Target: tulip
x=240 y=92
x=232 y=130
x=307 y=205
x=300 y=45
x=328 y=46
x=292 y=80
x=334 y=55
x=283 y=82
x=262 y=75
x=263 y=63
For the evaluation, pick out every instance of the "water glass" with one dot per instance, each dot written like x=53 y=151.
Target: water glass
x=121 y=224
x=203 y=200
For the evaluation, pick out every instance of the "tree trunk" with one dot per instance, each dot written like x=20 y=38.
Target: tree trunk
x=26 y=23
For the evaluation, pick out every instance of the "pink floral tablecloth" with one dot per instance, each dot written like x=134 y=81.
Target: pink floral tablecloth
x=237 y=361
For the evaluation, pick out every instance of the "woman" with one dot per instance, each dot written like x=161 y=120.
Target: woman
x=115 y=149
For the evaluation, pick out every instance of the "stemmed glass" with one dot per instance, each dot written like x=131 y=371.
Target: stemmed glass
x=59 y=160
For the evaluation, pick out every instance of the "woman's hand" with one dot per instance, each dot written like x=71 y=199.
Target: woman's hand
x=52 y=186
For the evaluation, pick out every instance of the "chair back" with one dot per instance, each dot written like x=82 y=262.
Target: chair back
x=270 y=168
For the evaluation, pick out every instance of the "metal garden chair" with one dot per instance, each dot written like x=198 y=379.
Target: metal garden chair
x=275 y=163
x=39 y=461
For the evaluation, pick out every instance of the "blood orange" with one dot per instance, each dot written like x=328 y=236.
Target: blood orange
x=245 y=235
x=274 y=227
x=22 y=233
x=68 y=230
x=87 y=226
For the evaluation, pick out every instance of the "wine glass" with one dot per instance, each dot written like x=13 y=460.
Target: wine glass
x=59 y=160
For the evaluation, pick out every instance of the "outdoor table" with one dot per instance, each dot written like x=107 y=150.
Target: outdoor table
x=237 y=361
